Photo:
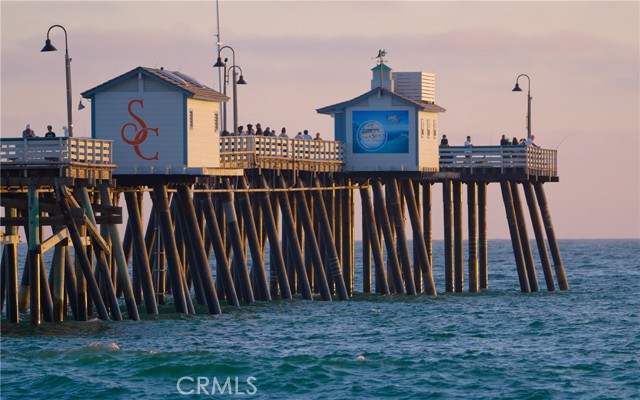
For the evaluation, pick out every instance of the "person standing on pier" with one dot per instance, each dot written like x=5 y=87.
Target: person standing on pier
x=504 y=141
x=50 y=133
x=28 y=132
x=299 y=136
x=444 y=142
x=241 y=131
x=467 y=143
x=317 y=136
x=283 y=133
x=529 y=141
x=306 y=135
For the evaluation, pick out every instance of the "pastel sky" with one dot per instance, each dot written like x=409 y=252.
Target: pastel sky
x=583 y=59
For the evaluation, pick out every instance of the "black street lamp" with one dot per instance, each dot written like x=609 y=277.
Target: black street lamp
x=49 y=47
x=517 y=89
x=219 y=64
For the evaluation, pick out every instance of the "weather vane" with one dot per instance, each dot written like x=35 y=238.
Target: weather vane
x=381 y=54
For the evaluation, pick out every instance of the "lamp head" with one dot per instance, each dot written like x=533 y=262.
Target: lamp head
x=241 y=81
x=517 y=88
x=80 y=105
x=48 y=46
x=219 y=63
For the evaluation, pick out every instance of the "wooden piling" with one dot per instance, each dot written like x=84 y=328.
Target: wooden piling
x=458 y=252
x=197 y=249
x=524 y=239
x=140 y=255
x=121 y=261
x=222 y=263
x=99 y=251
x=371 y=231
x=34 y=255
x=312 y=243
x=366 y=256
x=427 y=219
x=505 y=187
x=160 y=199
x=551 y=236
x=419 y=245
x=255 y=245
x=392 y=255
x=242 y=273
x=70 y=283
x=274 y=246
x=417 y=234
x=483 y=254
x=58 y=267
x=325 y=228
x=537 y=230
x=81 y=255
x=449 y=271
x=348 y=237
x=11 y=268
x=293 y=246
x=472 y=221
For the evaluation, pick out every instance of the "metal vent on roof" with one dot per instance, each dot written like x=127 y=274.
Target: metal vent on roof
x=172 y=76
x=187 y=78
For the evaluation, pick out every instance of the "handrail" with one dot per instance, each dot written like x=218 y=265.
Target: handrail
x=250 y=149
x=534 y=160
x=62 y=150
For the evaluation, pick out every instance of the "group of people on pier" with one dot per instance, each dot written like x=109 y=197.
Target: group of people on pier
x=504 y=141
x=29 y=133
x=250 y=131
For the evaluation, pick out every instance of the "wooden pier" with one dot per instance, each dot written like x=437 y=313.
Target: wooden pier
x=293 y=197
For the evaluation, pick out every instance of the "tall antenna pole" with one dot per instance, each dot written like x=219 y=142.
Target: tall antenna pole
x=221 y=74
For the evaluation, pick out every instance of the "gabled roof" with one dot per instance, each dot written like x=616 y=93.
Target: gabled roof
x=421 y=105
x=190 y=89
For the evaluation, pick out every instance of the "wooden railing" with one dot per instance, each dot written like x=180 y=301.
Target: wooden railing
x=62 y=150
x=533 y=160
x=249 y=150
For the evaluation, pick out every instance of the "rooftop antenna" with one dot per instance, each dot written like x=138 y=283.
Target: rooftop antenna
x=218 y=43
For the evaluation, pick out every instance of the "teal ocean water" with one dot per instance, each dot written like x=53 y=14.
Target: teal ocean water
x=498 y=344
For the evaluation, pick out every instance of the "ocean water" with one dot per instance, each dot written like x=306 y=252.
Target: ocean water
x=498 y=344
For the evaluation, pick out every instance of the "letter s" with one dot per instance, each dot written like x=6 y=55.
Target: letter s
x=250 y=381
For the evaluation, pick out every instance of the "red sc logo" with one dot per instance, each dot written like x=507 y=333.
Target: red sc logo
x=141 y=134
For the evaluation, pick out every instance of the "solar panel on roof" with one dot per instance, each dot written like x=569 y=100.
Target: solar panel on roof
x=172 y=76
x=189 y=79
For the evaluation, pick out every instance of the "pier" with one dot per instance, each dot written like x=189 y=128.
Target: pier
x=275 y=215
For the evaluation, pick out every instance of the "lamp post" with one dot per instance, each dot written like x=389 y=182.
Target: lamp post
x=517 y=89
x=236 y=82
x=219 y=64
x=49 y=47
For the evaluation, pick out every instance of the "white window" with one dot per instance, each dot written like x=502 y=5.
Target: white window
x=190 y=119
x=215 y=122
x=435 y=131
x=428 y=128
x=422 y=128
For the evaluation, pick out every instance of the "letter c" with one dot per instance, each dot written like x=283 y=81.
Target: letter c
x=180 y=389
